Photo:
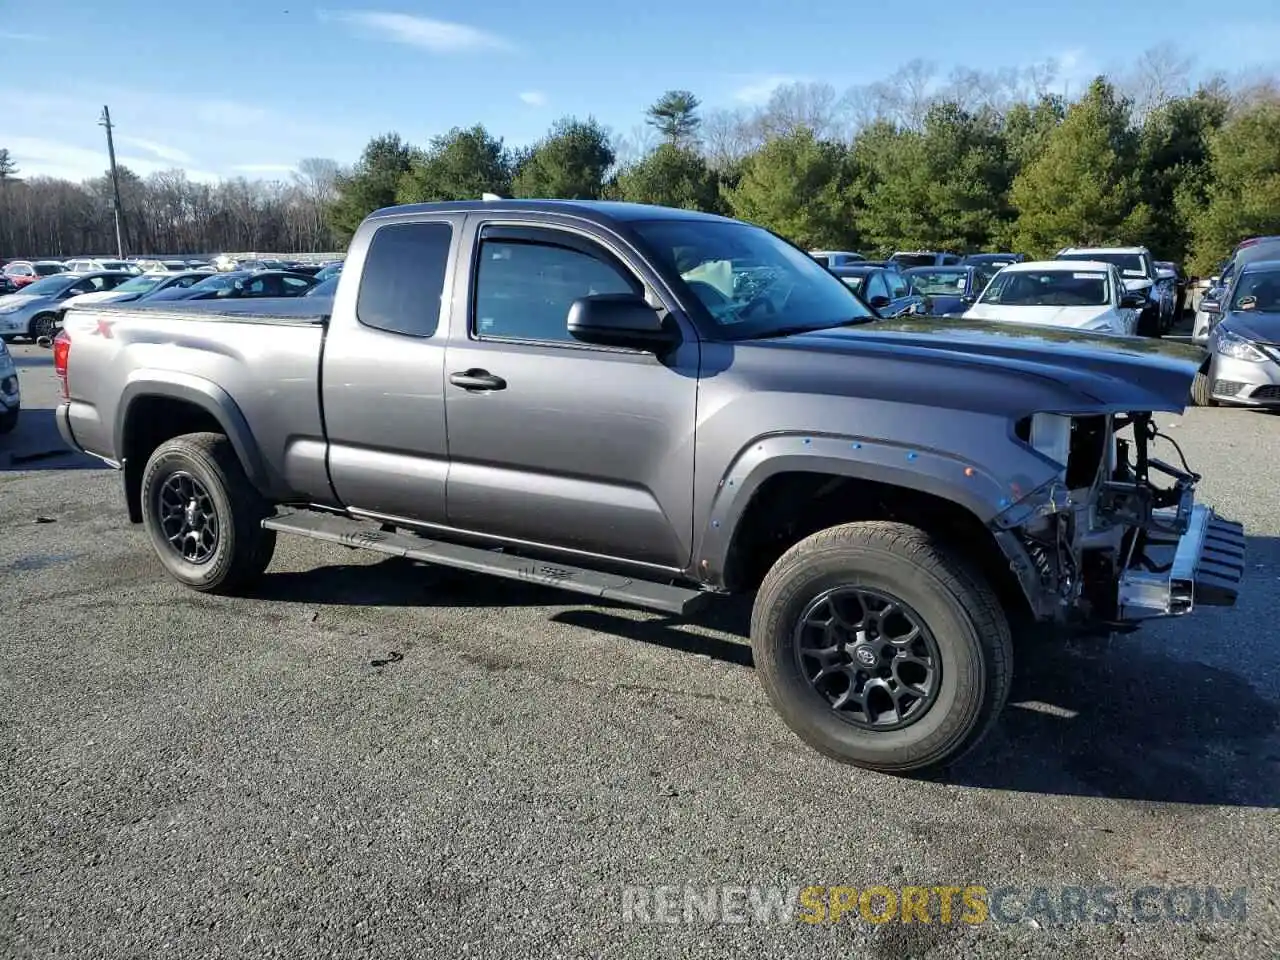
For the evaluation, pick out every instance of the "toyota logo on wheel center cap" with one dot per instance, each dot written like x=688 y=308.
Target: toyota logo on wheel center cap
x=866 y=656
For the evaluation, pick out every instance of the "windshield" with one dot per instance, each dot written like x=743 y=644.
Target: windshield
x=1130 y=264
x=139 y=284
x=1258 y=292
x=938 y=283
x=907 y=260
x=49 y=286
x=855 y=282
x=1048 y=288
x=752 y=283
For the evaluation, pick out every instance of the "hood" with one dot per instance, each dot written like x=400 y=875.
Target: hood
x=1104 y=371
x=14 y=301
x=1076 y=318
x=1253 y=325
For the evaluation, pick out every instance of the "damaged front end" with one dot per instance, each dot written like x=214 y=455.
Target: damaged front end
x=1116 y=537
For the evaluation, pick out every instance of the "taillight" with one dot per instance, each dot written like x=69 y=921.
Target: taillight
x=61 y=354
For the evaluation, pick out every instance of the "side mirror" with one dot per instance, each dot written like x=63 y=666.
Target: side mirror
x=878 y=303
x=1133 y=301
x=1210 y=306
x=619 y=320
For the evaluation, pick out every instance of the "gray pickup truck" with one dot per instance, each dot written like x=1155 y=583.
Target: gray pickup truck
x=654 y=407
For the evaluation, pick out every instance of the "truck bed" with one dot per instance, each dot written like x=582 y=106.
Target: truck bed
x=238 y=363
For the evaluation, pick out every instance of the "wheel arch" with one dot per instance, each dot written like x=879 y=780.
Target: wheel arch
x=158 y=406
x=777 y=494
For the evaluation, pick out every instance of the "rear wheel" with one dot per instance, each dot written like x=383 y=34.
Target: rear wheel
x=42 y=325
x=882 y=648
x=203 y=515
x=1149 y=322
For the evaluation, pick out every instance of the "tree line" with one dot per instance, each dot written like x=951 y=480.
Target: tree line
x=995 y=161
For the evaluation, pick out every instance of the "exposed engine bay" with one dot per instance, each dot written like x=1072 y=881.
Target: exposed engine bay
x=1117 y=536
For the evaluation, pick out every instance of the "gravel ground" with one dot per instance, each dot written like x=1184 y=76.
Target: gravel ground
x=375 y=759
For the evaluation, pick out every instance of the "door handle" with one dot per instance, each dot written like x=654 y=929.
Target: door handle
x=477 y=380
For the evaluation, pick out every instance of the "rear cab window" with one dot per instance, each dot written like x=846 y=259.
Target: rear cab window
x=402 y=281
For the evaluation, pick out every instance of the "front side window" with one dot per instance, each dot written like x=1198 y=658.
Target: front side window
x=876 y=288
x=1049 y=288
x=898 y=286
x=402 y=282
x=523 y=289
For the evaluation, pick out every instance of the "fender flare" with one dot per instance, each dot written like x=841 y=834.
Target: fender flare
x=202 y=393
x=940 y=473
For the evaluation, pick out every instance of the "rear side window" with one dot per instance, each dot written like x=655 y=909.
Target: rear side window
x=403 y=278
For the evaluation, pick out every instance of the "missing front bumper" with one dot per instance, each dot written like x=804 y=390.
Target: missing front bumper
x=1202 y=566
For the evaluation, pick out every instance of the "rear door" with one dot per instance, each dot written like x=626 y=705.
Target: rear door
x=576 y=446
x=383 y=373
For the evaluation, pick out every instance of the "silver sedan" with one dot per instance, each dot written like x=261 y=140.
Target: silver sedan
x=33 y=311
x=1243 y=367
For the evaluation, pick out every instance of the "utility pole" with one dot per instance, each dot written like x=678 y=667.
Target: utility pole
x=105 y=121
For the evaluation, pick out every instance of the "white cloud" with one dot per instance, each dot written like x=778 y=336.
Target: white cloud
x=41 y=157
x=171 y=154
x=534 y=98
x=438 y=36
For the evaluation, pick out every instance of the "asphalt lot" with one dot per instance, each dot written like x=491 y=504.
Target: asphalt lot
x=374 y=759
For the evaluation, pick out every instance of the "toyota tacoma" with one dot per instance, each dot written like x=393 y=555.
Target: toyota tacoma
x=654 y=407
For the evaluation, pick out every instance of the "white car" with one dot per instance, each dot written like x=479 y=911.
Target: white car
x=1073 y=295
x=10 y=396
x=91 y=265
x=837 y=258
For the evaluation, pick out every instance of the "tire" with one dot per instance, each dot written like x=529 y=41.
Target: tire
x=1200 y=395
x=9 y=420
x=205 y=466
x=42 y=325
x=1149 y=323
x=957 y=609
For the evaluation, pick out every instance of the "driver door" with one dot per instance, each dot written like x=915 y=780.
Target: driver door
x=557 y=442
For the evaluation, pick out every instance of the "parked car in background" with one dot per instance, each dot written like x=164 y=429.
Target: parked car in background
x=325 y=288
x=32 y=312
x=1243 y=367
x=1247 y=251
x=135 y=288
x=23 y=272
x=1170 y=271
x=241 y=283
x=7 y=285
x=329 y=270
x=1083 y=295
x=883 y=286
x=948 y=291
x=836 y=258
x=994 y=261
x=924 y=258
x=1138 y=270
x=10 y=393
x=94 y=265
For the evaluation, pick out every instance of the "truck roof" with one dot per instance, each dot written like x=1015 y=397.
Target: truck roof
x=600 y=211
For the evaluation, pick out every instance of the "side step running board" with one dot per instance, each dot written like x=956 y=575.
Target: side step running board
x=680 y=601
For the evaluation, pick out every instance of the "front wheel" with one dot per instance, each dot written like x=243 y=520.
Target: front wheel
x=9 y=421
x=1200 y=393
x=881 y=648
x=203 y=515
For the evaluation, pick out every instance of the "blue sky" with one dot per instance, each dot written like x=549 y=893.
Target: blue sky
x=251 y=86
